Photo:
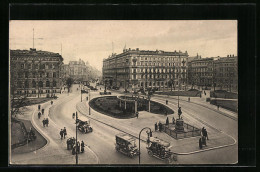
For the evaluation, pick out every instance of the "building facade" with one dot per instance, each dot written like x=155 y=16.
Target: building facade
x=136 y=68
x=35 y=73
x=225 y=73
x=201 y=71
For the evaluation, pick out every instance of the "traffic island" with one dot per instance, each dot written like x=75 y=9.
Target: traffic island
x=124 y=107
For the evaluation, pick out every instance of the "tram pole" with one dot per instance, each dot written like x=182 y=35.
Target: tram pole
x=140 y=141
x=76 y=138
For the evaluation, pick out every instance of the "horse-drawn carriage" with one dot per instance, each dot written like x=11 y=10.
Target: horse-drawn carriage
x=161 y=150
x=84 y=126
x=126 y=145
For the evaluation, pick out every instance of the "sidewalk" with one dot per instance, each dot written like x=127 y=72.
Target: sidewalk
x=133 y=126
x=55 y=151
x=202 y=102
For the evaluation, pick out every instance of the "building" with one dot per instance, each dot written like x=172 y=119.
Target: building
x=200 y=71
x=35 y=73
x=225 y=73
x=218 y=72
x=79 y=71
x=136 y=68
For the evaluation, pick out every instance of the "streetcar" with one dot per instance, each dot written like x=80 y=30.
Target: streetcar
x=126 y=145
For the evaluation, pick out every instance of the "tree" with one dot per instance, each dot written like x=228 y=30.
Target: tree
x=69 y=83
x=17 y=103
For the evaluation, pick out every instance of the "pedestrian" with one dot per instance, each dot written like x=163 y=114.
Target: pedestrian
x=61 y=134
x=173 y=120
x=42 y=111
x=64 y=132
x=160 y=126
x=39 y=107
x=166 y=102
x=87 y=98
x=39 y=115
x=78 y=147
x=43 y=122
x=203 y=131
x=137 y=114
x=82 y=146
x=189 y=99
x=206 y=134
x=218 y=107
x=155 y=126
x=47 y=122
x=167 y=121
x=51 y=102
x=73 y=115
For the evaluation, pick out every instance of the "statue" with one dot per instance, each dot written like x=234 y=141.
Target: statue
x=179 y=112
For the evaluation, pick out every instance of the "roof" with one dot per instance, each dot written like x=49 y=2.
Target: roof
x=34 y=52
x=125 y=137
x=159 y=141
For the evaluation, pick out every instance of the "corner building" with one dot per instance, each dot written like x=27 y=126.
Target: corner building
x=136 y=68
x=35 y=73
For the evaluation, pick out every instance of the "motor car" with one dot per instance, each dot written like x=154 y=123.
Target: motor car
x=126 y=145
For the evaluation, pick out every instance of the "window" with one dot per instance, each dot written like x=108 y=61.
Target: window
x=54 y=84
x=54 y=74
x=47 y=83
x=22 y=66
x=40 y=83
x=26 y=84
x=33 y=84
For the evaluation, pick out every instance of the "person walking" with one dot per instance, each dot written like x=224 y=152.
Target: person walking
x=173 y=120
x=47 y=122
x=42 y=111
x=137 y=115
x=61 y=134
x=167 y=121
x=166 y=102
x=51 y=102
x=43 y=122
x=39 y=107
x=39 y=115
x=155 y=127
x=82 y=146
x=64 y=132
x=189 y=99
x=160 y=126
x=218 y=107
x=78 y=147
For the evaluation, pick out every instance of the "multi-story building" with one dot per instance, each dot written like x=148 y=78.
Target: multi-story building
x=35 y=73
x=200 y=71
x=136 y=68
x=225 y=72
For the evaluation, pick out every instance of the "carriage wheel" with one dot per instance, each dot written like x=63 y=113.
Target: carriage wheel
x=150 y=153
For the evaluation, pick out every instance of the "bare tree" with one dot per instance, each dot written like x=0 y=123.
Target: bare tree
x=69 y=83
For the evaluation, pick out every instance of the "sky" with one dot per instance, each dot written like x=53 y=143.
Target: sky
x=94 y=40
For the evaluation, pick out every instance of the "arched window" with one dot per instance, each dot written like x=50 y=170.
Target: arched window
x=47 y=83
x=40 y=84
x=33 y=84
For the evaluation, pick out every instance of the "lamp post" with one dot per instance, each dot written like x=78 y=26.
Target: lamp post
x=76 y=138
x=140 y=140
x=89 y=103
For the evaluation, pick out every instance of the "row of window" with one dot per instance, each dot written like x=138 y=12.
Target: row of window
x=157 y=76
x=35 y=75
x=34 y=84
x=36 y=66
x=34 y=91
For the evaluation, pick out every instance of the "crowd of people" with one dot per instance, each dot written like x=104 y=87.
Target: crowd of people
x=45 y=122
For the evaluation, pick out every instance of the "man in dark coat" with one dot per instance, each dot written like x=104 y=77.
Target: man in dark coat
x=137 y=114
x=167 y=121
x=47 y=122
x=78 y=147
x=43 y=122
x=39 y=107
x=82 y=146
x=155 y=127
x=61 y=134
x=42 y=111
x=39 y=115
x=64 y=132
x=173 y=120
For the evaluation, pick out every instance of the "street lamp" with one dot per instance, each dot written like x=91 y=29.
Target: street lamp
x=76 y=137
x=89 y=103
x=140 y=140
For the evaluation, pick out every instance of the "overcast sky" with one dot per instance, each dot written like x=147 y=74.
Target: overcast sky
x=91 y=40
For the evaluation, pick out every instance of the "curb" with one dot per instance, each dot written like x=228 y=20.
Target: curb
x=222 y=113
x=188 y=153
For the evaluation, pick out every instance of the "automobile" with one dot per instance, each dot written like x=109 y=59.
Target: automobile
x=105 y=93
x=126 y=145
x=84 y=126
x=160 y=149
